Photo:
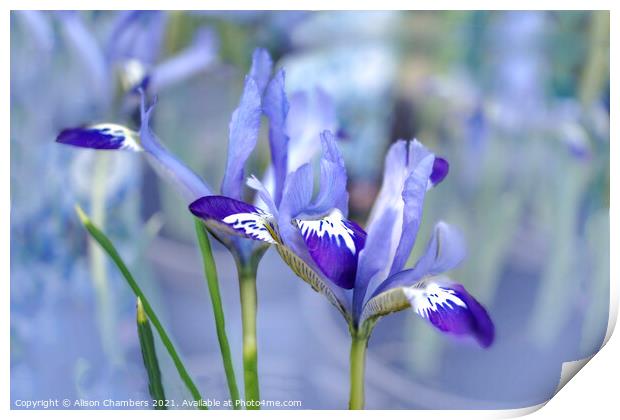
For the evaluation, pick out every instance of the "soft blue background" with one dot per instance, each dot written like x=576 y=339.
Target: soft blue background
x=518 y=102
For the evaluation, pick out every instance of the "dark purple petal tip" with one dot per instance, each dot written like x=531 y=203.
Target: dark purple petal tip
x=451 y=309
x=441 y=168
x=101 y=136
x=235 y=217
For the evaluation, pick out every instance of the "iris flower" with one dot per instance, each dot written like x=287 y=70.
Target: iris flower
x=262 y=94
x=361 y=272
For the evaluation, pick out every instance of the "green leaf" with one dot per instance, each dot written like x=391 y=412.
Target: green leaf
x=149 y=357
x=218 y=311
x=107 y=246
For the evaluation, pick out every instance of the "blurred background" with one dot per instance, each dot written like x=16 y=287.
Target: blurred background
x=518 y=102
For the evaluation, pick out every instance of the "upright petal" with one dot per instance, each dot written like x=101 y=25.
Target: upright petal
x=372 y=259
x=275 y=107
x=421 y=163
x=451 y=309
x=333 y=182
x=297 y=194
x=384 y=226
x=244 y=126
x=235 y=217
x=334 y=244
x=101 y=136
x=445 y=250
x=261 y=68
x=166 y=164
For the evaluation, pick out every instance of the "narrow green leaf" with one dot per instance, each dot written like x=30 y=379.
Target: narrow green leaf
x=218 y=311
x=149 y=356
x=106 y=244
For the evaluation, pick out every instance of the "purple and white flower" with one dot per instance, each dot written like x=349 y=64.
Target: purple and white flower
x=362 y=272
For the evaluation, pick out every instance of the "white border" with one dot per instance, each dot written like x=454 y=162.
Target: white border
x=595 y=393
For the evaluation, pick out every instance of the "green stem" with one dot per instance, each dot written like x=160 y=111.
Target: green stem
x=247 y=292
x=107 y=245
x=218 y=311
x=359 y=343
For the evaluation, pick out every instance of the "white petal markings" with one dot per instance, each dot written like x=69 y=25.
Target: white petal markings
x=331 y=225
x=431 y=298
x=130 y=139
x=256 y=225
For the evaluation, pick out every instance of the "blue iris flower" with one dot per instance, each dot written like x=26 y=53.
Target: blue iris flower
x=362 y=272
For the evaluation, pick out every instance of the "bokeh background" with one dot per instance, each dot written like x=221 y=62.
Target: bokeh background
x=518 y=102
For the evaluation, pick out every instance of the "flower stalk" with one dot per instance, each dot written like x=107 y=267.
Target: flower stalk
x=247 y=292
x=359 y=344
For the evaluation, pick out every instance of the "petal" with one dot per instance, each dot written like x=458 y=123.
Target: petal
x=261 y=68
x=414 y=190
x=101 y=136
x=451 y=309
x=395 y=217
x=441 y=167
x=165 y=163
x=263 y=196
x=445 y=251
x=334 y=244
x=297 y=193
x=275 y=107
x=371 y=261
x=295 y=198
x=235 y=217
x=244 y=126
x=333 y=182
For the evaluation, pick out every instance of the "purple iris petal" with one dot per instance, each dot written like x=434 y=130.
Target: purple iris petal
x=234 y=216
x=102 y=136
x=440 y=170
x=275 y=107
x=297 y=193
x=334 y=244
x=261 y=68
x=373 y=256
x=385 y=226
x=420 y=160
x=445 y=250
x=296 y=197
x=333 y=182
x=451 y=309
x=262 y=194
x=244 y=126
